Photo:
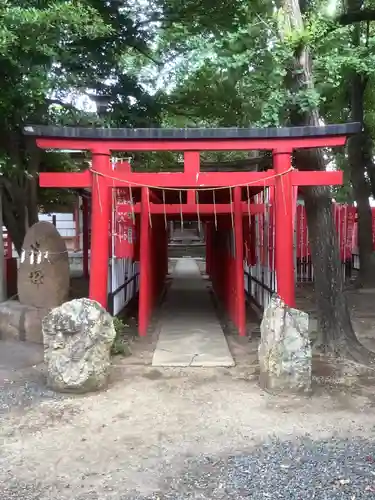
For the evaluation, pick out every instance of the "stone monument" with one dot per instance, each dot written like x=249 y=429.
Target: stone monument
x=43 y=275
x=78 y=337
x=285 y=355
x=43 y=283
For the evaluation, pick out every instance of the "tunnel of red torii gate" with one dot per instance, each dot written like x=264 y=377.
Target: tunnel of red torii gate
x=223 y=201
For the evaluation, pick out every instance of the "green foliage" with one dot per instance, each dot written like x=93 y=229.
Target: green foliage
x=52 y=55
x=42 y=30
x=120 y=345
x=233 y=70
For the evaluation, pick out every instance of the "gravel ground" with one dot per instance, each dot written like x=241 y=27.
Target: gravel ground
x=181 y=435
x=23 y=395
x=297 y=470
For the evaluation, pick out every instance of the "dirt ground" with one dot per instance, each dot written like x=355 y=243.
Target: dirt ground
x=155 y=433
x=132 y=440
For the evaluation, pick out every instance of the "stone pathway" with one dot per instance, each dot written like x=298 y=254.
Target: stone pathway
x=190 y=334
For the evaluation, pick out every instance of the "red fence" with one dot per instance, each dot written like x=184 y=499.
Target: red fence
x=259 y=268
x=346 y=227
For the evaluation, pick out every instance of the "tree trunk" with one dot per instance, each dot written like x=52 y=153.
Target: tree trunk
x=335 y=327
x=361 y=189
x=20 y=191
x=357 y=151
x=32 y=185
x=336 y=331
x=13 y=202
x=368 y=148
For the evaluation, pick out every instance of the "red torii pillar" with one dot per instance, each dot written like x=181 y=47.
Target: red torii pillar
x=100 y=221
x=144 y=261
x=284 y=228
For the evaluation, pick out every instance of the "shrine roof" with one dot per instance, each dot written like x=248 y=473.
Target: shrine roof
x=153 y=134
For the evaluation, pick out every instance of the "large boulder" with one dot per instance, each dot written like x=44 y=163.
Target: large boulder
x=78 y=336
x=285 y=355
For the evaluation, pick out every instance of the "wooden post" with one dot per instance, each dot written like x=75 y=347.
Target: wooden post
x=284 y=241
x=77 y=225
x=85 y=236
x=166 y=255
x=212 y=261
x=208 y=241
x=238 y=244
x=100 y=213
x=144 y=281
x=2 y=260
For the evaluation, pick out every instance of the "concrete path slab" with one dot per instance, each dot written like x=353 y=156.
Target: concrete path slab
x=190 y=334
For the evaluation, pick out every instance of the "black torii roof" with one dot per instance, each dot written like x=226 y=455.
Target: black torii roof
x=191 y=133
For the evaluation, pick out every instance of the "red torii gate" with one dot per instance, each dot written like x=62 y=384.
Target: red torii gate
x=100 y=178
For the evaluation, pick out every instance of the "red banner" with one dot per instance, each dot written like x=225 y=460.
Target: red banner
x=249 y=240
x=295 y=200
x=271 y=238
x=345 y=223
x=350 y=232
x=262 y=239
x=124 y=223
x=345 y=217
x=246 y=241
x=259 y=239
x=136 y=242
x=302 y=239
x=339 y=215
x=271 y=228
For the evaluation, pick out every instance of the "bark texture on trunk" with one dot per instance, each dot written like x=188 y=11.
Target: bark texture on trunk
x=20 y=191
x=32 y=185
x=358 y=156
x=336 y=330
x=13 y=201
x=369 y=160
x=334 y=318
x=362 y=192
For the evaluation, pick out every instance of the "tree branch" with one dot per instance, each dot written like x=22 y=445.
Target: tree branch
x=356 y=17
x=66 y=105
x=350 y=18
x=145 y=54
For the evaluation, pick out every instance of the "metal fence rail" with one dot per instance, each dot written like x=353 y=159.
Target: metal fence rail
x=124 y=284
